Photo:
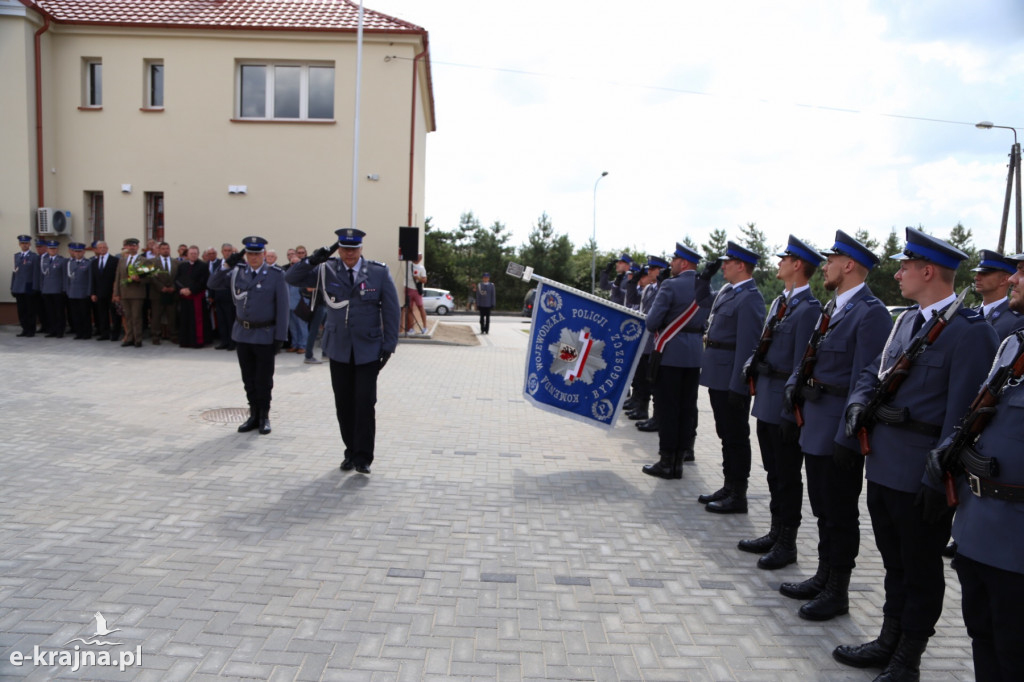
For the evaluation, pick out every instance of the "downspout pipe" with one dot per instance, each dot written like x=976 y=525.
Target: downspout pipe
x=39 y=109
x=412 y=131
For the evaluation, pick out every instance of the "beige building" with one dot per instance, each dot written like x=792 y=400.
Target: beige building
x=203 y=121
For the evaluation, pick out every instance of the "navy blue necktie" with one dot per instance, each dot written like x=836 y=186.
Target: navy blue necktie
x=918 y=322
x=351 y=276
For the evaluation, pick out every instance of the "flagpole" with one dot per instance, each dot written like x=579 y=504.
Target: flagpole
x=355 y=133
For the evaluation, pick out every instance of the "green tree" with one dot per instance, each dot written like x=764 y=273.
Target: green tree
x=963 y=239
x=765 y=269
x=550 y=255
x=716 y=245
x=881 y=280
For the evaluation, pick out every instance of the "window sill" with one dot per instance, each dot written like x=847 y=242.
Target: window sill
x=90 y=108
x=300 y=121
x=151 y=110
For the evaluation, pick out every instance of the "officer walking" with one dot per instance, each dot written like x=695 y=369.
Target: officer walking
x=25 y=265
x=786 y=331
x=78 y=288
x=911 y=522
x=486 y=298
x=989 y=522
x=260 y=296
x=991 y=280
x=734 y=326
x=855 y=325
x=360 y=334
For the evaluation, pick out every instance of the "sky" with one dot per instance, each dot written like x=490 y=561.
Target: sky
x=800 y=116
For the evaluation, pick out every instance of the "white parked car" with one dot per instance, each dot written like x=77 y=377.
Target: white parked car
x=437 y=301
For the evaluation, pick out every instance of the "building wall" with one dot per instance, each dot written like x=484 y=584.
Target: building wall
x=298 y=175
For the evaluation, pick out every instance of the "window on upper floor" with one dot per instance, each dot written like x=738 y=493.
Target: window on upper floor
x=285 y=91
x=92 y=82
x=154 y=84
x=94 y=215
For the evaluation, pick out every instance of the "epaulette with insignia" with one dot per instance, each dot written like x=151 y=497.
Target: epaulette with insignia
x=872 y=301
x=377 y=262
x=971 y=314
x=276 y=267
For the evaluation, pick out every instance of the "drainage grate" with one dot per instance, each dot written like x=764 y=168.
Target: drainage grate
x=226 y=415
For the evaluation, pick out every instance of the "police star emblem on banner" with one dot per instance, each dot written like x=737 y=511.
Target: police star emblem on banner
x=577 y=356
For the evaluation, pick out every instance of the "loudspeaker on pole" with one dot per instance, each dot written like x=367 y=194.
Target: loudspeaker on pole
x=408 y=243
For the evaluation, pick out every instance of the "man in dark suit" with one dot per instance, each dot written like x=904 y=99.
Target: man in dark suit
x=22 y=279
x=104 y=272
x=163 y=323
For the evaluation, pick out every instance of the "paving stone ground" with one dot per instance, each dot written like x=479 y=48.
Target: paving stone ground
x=493 y=541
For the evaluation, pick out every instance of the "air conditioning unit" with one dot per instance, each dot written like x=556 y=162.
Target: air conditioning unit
x=53 y=221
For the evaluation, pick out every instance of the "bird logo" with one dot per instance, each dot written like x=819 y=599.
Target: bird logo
x=101 y=631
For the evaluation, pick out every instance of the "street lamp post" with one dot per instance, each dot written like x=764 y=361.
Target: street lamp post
x=1014 y=172
x=593 y=241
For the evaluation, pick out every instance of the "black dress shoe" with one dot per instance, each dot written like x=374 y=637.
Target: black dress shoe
x=222 y=346
x=363 y=469
x=103 y=337
x=688 y=456
x=651 y=425
x=638 y=415
x=126 y=344
x=264 y=425
x=347 y=464
x=251 y=423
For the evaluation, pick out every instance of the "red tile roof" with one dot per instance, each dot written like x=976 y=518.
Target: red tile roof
x=301 y=15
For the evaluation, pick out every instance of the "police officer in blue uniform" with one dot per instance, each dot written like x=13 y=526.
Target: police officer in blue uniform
x=678 y=319
x=911 y=522
x=790 y=322
x=631 y=287
x=78 y=289
x=989 y=523
x=858 y=324
x=613 y=285
x=991 y=281
x=51 y=284
x=360 y=334
x=734 y=327
x=260 y=296
x=641 y=387
x=25 y=264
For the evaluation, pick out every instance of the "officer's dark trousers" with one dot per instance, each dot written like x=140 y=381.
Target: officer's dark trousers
x=55 y=319
x=102 y=310
x=788 y=498
x=81 y=322
x=769 y=441
x=835 y=501
x=224 y=309
x=485 y=320
x=26 y=313
x=641 y=387
x=355 y=400
x=992 y=599
x=676 y=392
x=732 y=424
x=40 y=308
x=911 y=552
x=256 y=361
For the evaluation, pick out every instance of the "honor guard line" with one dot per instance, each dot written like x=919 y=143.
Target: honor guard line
x=582 y=353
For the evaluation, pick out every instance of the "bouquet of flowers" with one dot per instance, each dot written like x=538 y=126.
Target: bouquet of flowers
x=139 y=269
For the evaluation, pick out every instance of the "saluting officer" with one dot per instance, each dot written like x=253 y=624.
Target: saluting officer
x=360 y=334
x=642 y=388
x=734 y=326
x=25 y=264
x=51 y=284
x=612 y=285
x=858 y=324
x=777 y=434
x=678 y=319
x=631 y=287
x=78 y=288
x=989 y=523
x=911 y=522
x=991 y=280
x=260 y=296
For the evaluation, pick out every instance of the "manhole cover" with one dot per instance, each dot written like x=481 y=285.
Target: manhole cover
x=226 y=415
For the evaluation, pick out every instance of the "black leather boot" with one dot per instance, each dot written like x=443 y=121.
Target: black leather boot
x=650 y=425
x=719 y=494
x=874 y=654
x=665 y=467
x=638 y=414
x=833 y=601
x=252 y=422
x=762 y=544
x=735 y=503
x=628 y=405
x=807 y=589
x=264 y=421
x=905 y=664
x=783 y=552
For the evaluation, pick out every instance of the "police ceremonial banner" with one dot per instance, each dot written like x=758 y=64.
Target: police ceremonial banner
x=582 y=354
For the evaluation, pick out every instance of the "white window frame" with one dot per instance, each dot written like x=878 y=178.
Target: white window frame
x=148 y=98
x=87 y=94
x=270 y=65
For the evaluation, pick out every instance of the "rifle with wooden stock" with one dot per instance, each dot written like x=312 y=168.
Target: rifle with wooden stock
x=879 y=406
x=810 y=359
x=766 y=341
x=978 y=416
